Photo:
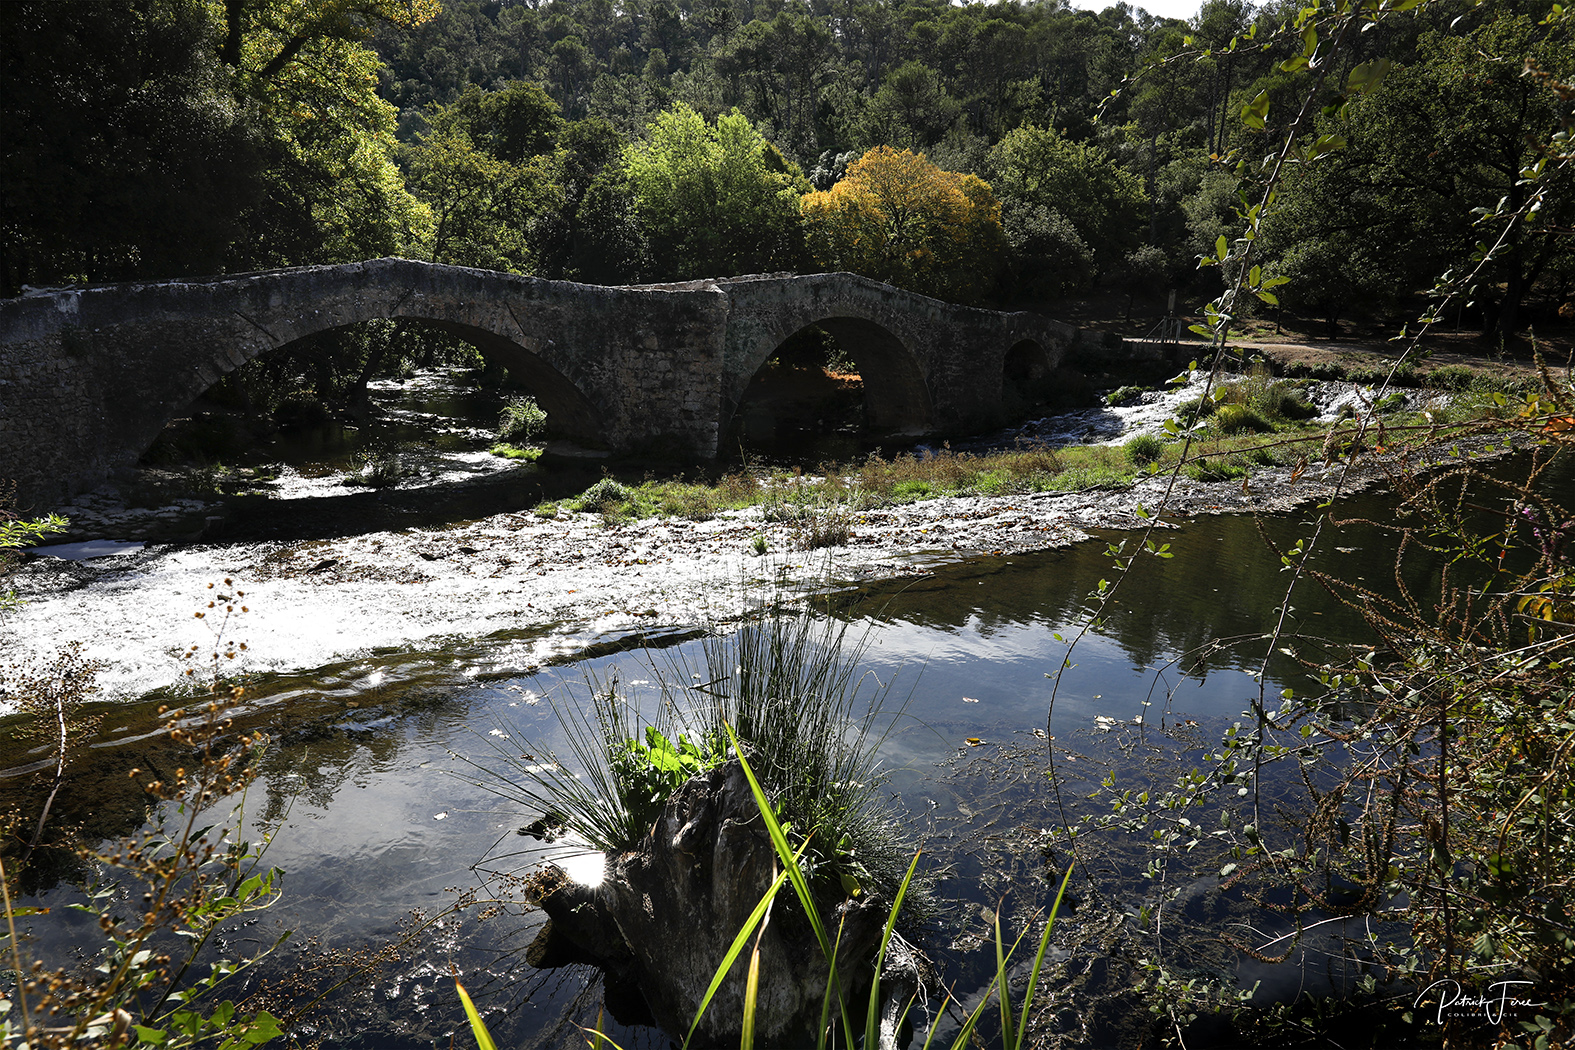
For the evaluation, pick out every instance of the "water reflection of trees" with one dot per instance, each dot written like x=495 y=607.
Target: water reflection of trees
x=1223 y=583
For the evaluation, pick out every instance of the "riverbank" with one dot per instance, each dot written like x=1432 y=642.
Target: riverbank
x=540 y=590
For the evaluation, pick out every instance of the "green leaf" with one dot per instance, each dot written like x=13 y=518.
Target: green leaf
x=151 y=1036
x=1253 y=114
x=1221 y=248
x=1367 y=76
x=263 y=1028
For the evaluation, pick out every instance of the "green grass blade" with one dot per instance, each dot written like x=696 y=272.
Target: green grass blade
x=732 y=952
x=1039 y=958
x=872 y=1016
x=746 y=1036
x=1003 y=989
x=965 y=1033
x=930 y=1038
x=478 y=1027
x=597 y=1039
x=825 y=999
x=800 y=884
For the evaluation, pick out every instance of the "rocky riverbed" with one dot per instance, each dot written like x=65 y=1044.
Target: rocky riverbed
x=536 y=589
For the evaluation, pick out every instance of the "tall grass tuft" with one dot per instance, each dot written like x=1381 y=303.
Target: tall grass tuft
x=807 y=715
x=1013 y=1018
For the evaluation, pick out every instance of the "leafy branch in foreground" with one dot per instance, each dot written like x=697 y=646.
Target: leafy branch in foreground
x=1438 y=795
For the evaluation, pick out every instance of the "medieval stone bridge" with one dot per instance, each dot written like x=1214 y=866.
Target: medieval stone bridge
x=90 y=376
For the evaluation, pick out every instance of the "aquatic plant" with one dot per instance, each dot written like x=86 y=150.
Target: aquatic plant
x=791 y=686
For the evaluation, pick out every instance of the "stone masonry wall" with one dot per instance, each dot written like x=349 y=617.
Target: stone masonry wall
x=89 y=376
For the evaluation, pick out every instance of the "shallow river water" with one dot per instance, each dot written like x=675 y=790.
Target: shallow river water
x=374 y=817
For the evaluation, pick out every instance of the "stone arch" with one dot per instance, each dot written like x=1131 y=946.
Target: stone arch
x=570 y=413
x=896 y=396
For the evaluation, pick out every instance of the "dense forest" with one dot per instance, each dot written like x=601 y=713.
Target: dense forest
x=1000 y=152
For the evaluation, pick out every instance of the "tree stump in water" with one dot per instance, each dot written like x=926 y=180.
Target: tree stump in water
x=675 y=902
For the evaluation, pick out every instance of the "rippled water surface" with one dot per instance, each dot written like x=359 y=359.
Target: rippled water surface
x=377 y=822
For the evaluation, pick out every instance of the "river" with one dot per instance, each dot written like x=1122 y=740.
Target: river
x=384 y=652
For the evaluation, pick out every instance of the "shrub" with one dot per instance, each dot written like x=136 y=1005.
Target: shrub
x=1234 y=419
x=522 y=421
x=606 y=494
x=1143 y=449
x=16 y=533
x=1121 y=395
x=1283 y=401
x=1450 y=377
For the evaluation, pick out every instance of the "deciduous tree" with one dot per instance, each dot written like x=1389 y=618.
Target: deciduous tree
x=714 y=199
x=898 y=218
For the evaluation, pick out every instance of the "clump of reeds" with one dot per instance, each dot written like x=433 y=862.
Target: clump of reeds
x=807 y=715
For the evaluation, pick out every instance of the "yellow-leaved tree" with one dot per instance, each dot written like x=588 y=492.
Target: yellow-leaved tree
x=898 y=218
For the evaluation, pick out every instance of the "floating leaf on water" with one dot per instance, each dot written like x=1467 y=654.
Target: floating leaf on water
x=970 y=700
x=974 y=741
x=439 y=816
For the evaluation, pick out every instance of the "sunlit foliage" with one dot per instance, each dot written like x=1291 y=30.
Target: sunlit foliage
x=898 y=218
x=714 y=199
